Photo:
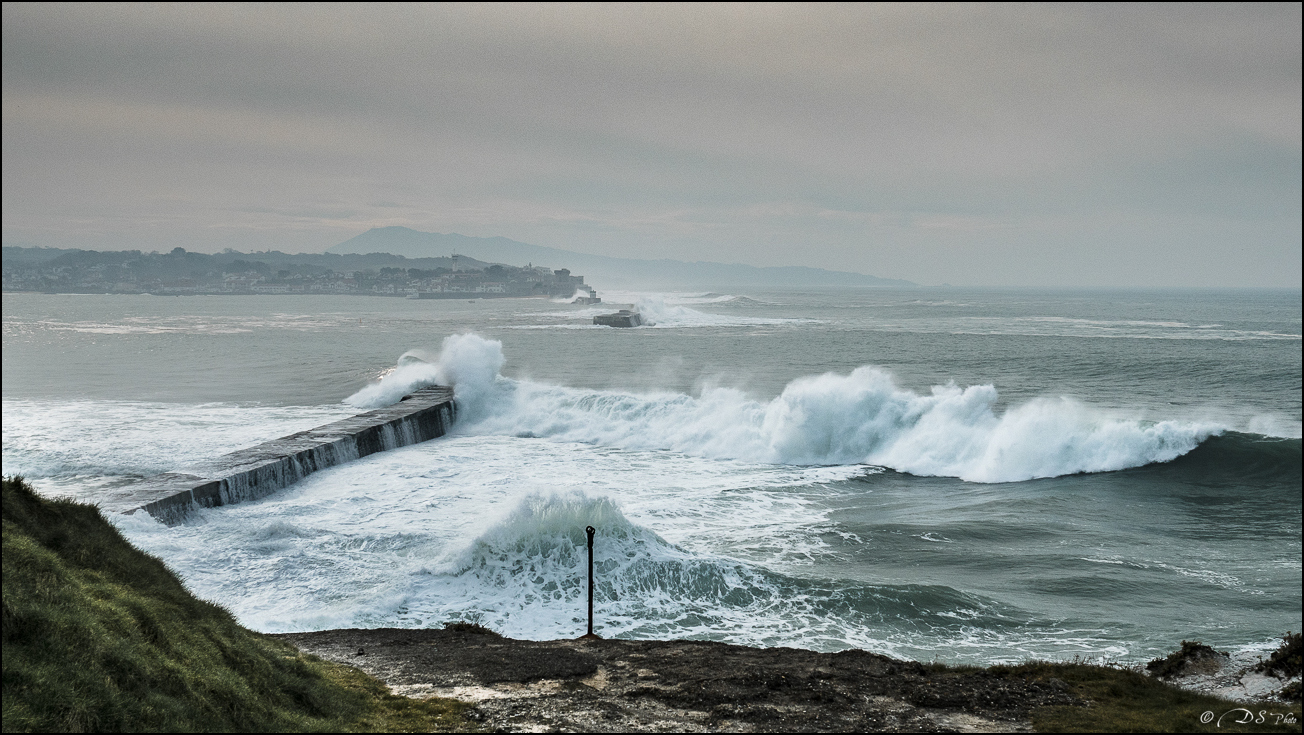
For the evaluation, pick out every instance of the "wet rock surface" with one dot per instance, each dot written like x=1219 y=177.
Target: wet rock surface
x=621 y=686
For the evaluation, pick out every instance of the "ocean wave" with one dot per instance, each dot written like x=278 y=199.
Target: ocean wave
x=1236 y=458
x=832 y=419
x=526 y=576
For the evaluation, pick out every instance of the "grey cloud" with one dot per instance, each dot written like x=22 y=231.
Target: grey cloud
x=681 y=129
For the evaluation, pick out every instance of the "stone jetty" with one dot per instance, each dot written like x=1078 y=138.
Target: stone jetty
x=263 y=469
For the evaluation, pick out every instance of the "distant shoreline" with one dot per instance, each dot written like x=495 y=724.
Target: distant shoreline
x=181 y=273
x=469 y=296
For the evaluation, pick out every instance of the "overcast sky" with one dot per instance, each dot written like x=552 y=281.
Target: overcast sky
x=982 y=145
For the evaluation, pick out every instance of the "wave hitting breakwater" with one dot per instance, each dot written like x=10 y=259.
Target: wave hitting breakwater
x=258 y=471
x=832 y=419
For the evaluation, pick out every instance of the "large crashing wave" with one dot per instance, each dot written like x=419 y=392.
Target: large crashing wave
x=468 y=362
x=861 y=417
x=526 y=577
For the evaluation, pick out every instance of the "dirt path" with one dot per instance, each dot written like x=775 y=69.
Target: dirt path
x=623 y=686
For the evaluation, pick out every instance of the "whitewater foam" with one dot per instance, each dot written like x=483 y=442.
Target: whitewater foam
x=306 y=566
x=468 y=363
x=78 y=447
x=829 y=419
x=524 y=576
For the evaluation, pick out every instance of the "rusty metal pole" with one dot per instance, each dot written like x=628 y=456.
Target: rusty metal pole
x=590 y=530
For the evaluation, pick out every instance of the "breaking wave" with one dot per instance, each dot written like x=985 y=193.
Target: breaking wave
x=1238 y=458
x=467 y=362
x=525 y=577
x=832 y=419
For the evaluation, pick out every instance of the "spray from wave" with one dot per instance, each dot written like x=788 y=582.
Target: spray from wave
x=579 y=294
x=658 y=311
x=467 y=362
x=829 y=419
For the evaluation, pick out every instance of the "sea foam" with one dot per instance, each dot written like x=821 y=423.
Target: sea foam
x=467 y=362
x=831 y=419
x=526 y=575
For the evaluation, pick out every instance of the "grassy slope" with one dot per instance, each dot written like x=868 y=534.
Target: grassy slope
x=99 y=636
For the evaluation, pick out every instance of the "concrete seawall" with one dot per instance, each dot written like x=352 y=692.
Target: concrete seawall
x=261 y=470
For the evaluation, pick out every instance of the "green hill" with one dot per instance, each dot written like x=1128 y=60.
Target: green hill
x=99 y=636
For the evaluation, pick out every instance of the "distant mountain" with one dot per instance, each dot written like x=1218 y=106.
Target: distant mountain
x=600 y=270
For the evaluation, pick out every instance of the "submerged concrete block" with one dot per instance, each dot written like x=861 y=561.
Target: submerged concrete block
x=258 y=471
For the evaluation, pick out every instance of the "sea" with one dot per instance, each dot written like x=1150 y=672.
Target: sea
x=939 y=474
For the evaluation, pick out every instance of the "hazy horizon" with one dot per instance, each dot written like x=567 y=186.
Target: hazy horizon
x=634 y=282
x=1060 y=145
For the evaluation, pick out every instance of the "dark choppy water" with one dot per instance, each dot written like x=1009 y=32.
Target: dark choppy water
x=932 y=473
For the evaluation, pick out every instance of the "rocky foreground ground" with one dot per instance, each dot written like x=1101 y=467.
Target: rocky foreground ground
x=622 y=686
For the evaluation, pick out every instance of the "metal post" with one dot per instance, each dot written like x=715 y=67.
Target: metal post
x=590 y=530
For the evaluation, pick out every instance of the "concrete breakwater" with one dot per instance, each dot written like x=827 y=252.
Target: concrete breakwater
x=263 y=469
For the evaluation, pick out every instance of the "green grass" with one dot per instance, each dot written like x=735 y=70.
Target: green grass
x=390 y=713
x=1120 y=700
x=99 y=636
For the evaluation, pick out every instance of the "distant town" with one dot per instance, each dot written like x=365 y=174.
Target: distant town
x=179 y=272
